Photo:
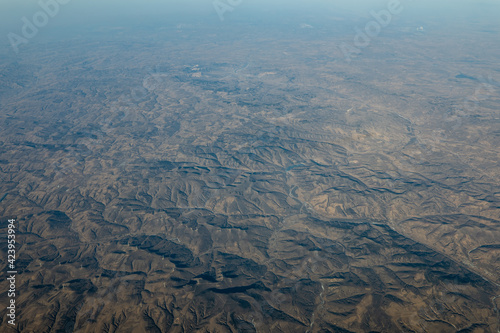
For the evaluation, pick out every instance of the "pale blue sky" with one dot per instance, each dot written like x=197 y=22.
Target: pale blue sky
x=12 y=10
x=88 y=14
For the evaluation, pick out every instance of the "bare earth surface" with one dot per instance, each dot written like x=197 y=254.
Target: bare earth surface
x=187 y=183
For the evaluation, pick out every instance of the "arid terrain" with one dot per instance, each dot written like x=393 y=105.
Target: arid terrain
x=253 y=181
